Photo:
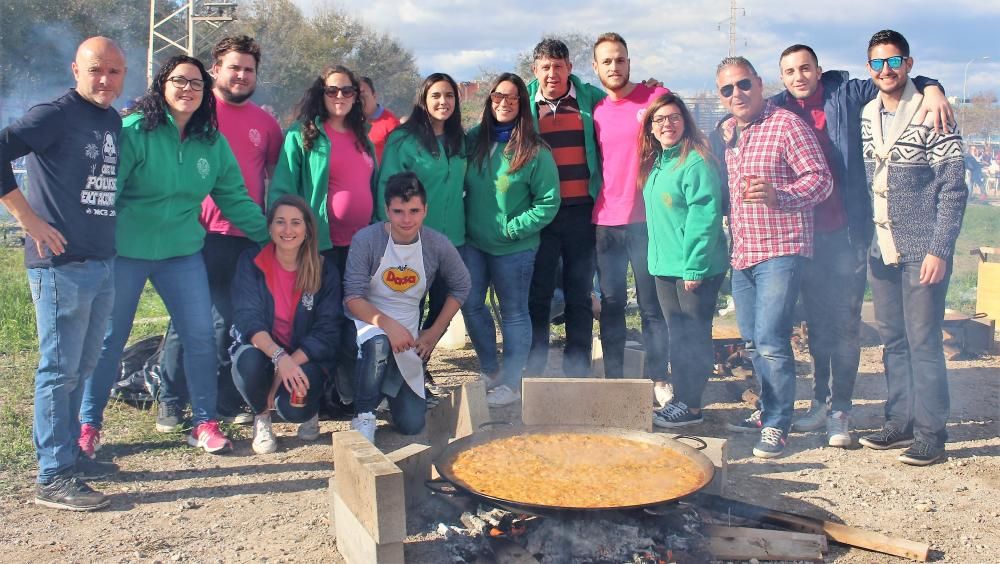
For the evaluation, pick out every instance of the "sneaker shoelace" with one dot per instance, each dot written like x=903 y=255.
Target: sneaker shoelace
x=754 y=417
x=837 y=425
x=770 y=436
x=674 y=411
x=920 y=448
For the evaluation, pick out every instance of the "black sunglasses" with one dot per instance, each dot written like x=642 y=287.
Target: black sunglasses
x=745 y=85
x=345 y=91
x=894 y=63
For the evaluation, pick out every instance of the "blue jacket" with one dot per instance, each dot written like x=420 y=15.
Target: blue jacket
x=318 y=318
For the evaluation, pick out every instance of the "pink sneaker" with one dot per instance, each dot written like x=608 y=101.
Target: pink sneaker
x=209 y=437
x=90 y=440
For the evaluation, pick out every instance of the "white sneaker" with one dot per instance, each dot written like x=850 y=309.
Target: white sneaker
x=365 y=424
x=663 y=392
x=309 y=431
x=838 y=430
x=263 y=436
x=813 y=419
x=502 y=395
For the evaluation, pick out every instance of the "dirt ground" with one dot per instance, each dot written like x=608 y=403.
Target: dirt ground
x=180 y=505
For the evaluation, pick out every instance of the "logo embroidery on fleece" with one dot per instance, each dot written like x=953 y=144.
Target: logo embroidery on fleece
x=203 y=167
x=668 y=201
x=400 y=278
x=255 y=137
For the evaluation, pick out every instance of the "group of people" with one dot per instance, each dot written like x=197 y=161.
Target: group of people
x=299 y=263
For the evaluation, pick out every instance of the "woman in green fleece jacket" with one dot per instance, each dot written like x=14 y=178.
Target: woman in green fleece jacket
x=171 y=157
x=512 y=192
x=431 y=144
x=687 y=248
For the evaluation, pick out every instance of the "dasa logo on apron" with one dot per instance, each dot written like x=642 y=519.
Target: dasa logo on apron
x=400 y=278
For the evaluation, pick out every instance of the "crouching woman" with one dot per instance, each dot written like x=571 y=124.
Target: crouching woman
x=286 y=322
x=390 y=267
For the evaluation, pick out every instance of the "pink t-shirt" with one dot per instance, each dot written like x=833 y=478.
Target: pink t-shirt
x=616 y=123
x=349 y=191
x=284 y=306
x=255 y=138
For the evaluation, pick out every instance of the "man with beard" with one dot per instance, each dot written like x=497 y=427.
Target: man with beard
x=255 y=138
x=620 y=217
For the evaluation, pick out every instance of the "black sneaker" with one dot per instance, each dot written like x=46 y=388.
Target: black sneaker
x=90 y=469
x=751 y=424
x=169 y=417
x=676 y=414
x=887 y=437
x=921 y=454
x=771 y=443
x=68 y=492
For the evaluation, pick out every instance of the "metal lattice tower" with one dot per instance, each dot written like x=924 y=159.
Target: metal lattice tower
x=176 y=31
x=734 y=12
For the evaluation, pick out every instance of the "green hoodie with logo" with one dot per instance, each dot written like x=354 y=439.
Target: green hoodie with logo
x=443 y=178
x=504 y=211
x=161 y=184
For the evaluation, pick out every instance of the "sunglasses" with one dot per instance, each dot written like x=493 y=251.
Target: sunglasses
x=674 y=119
x=744 y=85
x=499 y=97
x=894 y=63
x=181 y=83
x=345 y=91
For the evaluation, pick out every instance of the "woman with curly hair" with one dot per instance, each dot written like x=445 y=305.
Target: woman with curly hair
x=171 y=157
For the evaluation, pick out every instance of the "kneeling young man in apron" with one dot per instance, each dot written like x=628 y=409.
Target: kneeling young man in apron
x=390 y=266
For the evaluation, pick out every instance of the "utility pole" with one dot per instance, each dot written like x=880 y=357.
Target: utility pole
x=733 y=14
x=176 y=31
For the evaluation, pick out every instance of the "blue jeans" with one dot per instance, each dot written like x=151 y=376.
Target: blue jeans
x=253 y=374
x=833 y=288
x=72 y=305
x=378 y=378
x=511 y=278
x=765 y=296
x=569 y=237
x=182 y=283
x=908 y=315
x=617 y=247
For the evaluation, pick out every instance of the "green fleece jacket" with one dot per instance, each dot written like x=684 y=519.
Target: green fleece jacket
x=162 y=182
x=504 y=211
x=442 y=177
x=684 y=218
x=307 y=174
x=587 y=96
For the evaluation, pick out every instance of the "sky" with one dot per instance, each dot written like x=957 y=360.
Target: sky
x=680 y=43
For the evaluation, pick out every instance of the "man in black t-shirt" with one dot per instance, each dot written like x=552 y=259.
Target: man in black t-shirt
x=68 y=215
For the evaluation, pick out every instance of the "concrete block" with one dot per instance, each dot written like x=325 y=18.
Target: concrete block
x=634 y=365
x=354 y=542
x=415 y=461
x=371 y=486
x=471 y=409
x=718 y=452
x=596 y=358
x=440 y=424
x=625 y=403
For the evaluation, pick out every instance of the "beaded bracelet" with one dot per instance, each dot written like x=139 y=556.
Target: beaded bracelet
x=278 y=353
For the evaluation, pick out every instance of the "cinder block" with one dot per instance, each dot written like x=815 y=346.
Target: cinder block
x=634 y=365
x=354 y=542
x=371 y=486
x=597 y=358
x=471 y=409
x=415 y=461
x=440 y=424
x=622 y=403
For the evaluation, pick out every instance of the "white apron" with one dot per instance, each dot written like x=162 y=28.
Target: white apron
x=396 y=290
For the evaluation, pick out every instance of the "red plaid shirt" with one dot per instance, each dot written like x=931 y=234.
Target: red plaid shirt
x=781 y=149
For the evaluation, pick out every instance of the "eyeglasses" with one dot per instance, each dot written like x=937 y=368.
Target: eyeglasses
x=745 y=85
x=674 y=119
x=894 y=63
x=181 y=83
x=345 y=91
x=499 y=97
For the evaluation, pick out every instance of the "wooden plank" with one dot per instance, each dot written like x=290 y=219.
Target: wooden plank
x=748 y=532
x=746 y=548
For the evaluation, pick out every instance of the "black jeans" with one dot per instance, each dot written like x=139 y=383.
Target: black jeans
x=689 y=316
x=347 y=349
x=570 y=237
x=221 y=253
x=908 y=316
x=617 y=246
x=833 y=288
x=253 y=374
x=378 y=377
